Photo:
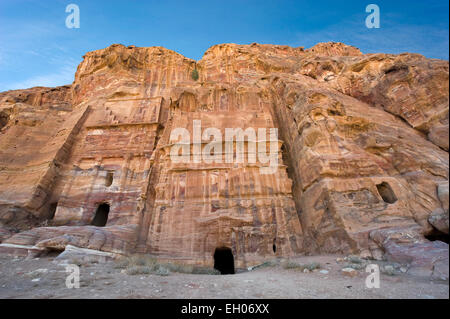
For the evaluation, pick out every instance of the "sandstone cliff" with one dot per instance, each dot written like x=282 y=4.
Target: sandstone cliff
x=363 y=156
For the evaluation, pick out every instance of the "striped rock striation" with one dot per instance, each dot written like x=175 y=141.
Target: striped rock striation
x=362 y=153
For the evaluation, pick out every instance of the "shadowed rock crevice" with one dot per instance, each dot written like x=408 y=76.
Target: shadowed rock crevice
x=52 y=210
x=438 y=235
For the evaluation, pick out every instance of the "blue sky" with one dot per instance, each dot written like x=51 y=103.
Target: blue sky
x=36 y=48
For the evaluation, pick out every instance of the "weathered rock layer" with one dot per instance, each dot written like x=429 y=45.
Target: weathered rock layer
x=362 y=154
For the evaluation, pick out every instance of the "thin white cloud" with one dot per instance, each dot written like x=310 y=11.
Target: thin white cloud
x=63 y=76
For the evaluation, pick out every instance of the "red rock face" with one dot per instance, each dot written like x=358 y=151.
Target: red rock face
x=362 y=149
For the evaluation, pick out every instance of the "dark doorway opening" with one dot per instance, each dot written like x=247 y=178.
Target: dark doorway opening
x=386 y=192
x=52 y=210
x=224 y=260
x=101 y=215
x=274 y=246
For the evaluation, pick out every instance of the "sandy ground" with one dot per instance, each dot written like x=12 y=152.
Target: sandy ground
x=45 y=278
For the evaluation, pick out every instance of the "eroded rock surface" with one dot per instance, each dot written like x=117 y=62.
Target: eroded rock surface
x=362 y=154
